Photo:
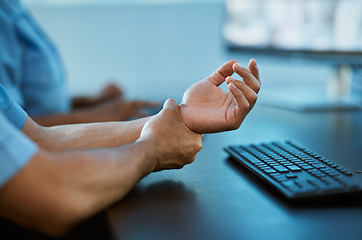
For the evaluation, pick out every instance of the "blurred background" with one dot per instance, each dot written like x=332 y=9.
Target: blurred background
x=155 y=49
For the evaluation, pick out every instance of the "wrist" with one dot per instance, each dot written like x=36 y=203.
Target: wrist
x=149 y=156
x=186 y=125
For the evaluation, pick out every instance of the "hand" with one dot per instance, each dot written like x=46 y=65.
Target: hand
x=206 y=108
x=116 y=110
x=171 y=143
x=110 y=91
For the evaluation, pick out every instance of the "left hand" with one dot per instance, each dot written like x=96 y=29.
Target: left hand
x=117 y=110
x=109 y=92
x=206 y=108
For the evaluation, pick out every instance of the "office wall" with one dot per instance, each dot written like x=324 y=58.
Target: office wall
x=127 y=42
x=153 y=50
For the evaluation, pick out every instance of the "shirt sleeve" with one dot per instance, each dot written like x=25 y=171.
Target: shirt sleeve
x=13 y=112
x=16 y=149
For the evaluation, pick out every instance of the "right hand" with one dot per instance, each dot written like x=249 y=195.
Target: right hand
x=169 y=141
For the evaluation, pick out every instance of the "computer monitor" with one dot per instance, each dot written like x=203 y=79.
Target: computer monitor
x=328 y=31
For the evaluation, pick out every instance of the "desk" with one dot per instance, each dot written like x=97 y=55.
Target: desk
x=213 y=198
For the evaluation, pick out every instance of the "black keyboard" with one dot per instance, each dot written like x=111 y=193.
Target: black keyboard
x=294 y=170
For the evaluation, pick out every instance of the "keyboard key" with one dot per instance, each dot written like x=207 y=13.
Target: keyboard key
x=281 y=169
x=290 y=185
x=249 y=157
x=319 y=174
x=303 y=183
x=347 y=173
x=284 y=162
x=331 y=188
x=260 y=164
x=306 y=167
x=269 y=170
x=313 y=170
x=318 y=165
x=294 y=168
x=279 y=178
x=333 y=174
x=303 y=191
x=290 y=175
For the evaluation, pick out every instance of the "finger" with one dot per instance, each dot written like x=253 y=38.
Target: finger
x=254 y=69
x=242 y=103
x=170 y=104
x=111 y=90
x=248 y=78
x=249 y=93
x=218 y=77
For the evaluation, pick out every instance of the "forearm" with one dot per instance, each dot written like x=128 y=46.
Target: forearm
x=63 y=189
x=85 y=136
x=61 y=119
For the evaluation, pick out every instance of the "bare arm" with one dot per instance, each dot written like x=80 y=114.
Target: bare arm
x=115 y=109
x=57 y=190
x=63 y=189
x=84 y=136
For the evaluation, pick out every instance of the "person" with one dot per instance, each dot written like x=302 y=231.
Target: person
x=53 y=178
x=34 y=76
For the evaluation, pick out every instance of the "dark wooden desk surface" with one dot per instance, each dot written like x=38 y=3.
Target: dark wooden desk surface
x=215 y=198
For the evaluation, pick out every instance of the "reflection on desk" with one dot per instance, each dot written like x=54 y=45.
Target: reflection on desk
x=216 y=198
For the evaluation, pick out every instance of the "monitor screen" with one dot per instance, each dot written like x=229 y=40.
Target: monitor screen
x=295 y=25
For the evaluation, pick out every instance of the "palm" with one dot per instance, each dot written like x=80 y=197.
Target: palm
x=207 y=108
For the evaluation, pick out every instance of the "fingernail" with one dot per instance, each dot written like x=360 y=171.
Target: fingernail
x=251 y=61
x=238 y=66
x=232 y=85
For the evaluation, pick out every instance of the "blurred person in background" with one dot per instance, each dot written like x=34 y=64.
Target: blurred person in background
x=33 y=75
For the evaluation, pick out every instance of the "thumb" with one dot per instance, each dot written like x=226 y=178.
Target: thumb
x=170 y=104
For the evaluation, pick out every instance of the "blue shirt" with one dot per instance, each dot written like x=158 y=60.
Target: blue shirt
x=30 y=67
x=15 y=148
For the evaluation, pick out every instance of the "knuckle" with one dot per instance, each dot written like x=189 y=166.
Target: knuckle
x=178 y=166
x=191 y=159
x=167 y=111
x=254 y=96
x=245 y=106
x=181 y=166
x=198 y=145
x=236 y=125
x=244 y=71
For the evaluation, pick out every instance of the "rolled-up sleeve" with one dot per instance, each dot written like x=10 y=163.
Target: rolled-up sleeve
x=16 y=149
